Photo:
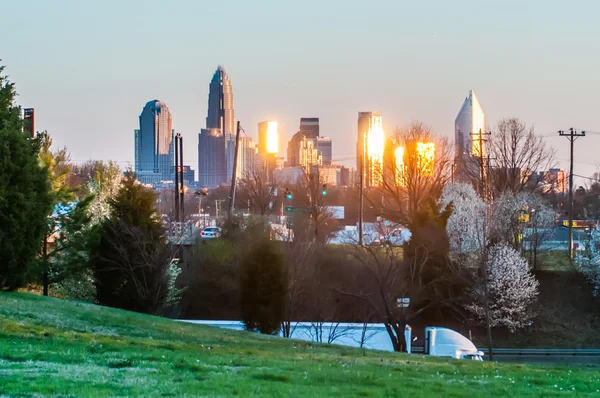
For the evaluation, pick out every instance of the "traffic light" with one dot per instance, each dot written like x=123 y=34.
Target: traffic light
x=324 y=191
x=288 y=194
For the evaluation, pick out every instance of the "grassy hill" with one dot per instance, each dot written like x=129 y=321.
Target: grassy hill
x=57 y=347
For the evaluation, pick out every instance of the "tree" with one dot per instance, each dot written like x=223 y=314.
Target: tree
x=420 y=175
x=257 y=192
x=517 y=153
x=132 y=260
x=263 y=287
x=104 y=183
x=465 y=224
x=58 y=166
x=425 y=276
x=512 y=290
x=588 y=263
x=24 y=193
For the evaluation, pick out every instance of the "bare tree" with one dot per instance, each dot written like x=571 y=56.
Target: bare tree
x=417 y=172
x=517 y=153
x=257 y=192
x=300 y=261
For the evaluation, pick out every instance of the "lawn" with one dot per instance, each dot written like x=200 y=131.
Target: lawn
x=57 y=347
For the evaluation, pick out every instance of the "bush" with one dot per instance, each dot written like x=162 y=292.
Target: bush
x=263 y=285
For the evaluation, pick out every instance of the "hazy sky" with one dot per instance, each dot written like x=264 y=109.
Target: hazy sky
x=89 y=67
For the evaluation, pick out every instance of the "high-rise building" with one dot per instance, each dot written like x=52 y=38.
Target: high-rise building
x=154 y=157
x=309 y=127
x=220 y=113
x=469 y=124
x=308 y=154
x=29 y=121
x=309 y=130
x=293 y=150
x=246 y=157
x=370 y=148
x=323 y=145
x=212 y=166
x=268 y=137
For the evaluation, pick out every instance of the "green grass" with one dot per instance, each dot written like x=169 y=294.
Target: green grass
x=53 y=347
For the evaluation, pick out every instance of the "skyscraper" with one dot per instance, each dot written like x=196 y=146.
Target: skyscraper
x=370 y=148
x=323 y=145
x=268 y=137
x=246 y=157
x=212 y=167
x=469 y=123
x=220 y=113
x=154 y=157
x=309 y=126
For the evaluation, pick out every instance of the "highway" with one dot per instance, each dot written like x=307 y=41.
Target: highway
x=541 y=355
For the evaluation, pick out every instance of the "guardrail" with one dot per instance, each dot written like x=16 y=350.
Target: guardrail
x=535 y=352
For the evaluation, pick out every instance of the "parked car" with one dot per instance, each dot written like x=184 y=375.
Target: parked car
x=211 y=233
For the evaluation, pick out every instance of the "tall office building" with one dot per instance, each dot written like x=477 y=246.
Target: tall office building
x=469 y=123
x=220 y=113
x=309 y=126
x=308 y=154
x=309 y=130
x=268 y=137
x=246 y=157
x=212 y=166
x=370 y=148
x=154 y=156
x=323 y=145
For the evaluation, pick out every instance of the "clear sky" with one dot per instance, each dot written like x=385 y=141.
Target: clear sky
x=88 y=67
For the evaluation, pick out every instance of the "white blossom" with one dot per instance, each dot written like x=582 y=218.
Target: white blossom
x=589 y=263
x=466 y=223
x=512 y=289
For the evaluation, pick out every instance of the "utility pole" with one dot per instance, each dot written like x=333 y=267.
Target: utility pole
x=483 y=170
x=181 y=187
x=176 y=179
x=361 y=192
x=485 y=192
x=234 y=171
x=572 y=135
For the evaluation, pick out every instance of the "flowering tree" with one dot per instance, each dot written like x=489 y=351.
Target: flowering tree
x=511 y=290
x=466 y=224
x=589 y=263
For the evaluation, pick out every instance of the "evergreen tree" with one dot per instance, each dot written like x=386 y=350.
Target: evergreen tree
x=132 y=260
x=263 y=287
x=24 y=193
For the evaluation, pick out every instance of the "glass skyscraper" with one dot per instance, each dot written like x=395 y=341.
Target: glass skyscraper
x=220 y=113
x=154 y=157
x=211 y=158
x=469 y=124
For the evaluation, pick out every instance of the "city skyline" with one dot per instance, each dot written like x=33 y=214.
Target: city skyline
x=522 y=69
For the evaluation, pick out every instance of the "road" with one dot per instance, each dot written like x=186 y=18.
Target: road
x=542 y=355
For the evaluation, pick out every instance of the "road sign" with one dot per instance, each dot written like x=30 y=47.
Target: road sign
x=293 y=209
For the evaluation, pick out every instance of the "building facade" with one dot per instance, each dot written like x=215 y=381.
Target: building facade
x=370 y=148
x=220 y=113
x=268 y=137
x=212 y=166
x=324 y=147
x=309 y=127
x=154 y=144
